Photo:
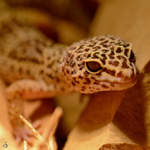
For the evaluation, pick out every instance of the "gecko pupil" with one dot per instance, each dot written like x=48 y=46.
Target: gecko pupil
x=132 y=57
x=93 y=66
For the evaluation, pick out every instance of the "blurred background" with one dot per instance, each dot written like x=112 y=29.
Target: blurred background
x=64 y=21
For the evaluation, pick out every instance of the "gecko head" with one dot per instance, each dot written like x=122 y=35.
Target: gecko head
x=102 y=63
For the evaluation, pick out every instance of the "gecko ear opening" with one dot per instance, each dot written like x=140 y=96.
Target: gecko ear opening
x=132 y=57
x=93 y=66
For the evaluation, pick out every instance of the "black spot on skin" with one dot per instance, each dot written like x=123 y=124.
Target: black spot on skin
x=80 y=47
x=99 y=73
x=50 y=65
x=104 y=56
x=85 y=54
x=50 y=76
x=104 y=86
x=57 y=79
x=126 y=44
x=75 y=80
x=105 y=50
x=80 y=77
x=90 y=45
x=83 y=88
x=87 y=81
x=79 y=58
x=79 y=51
x=103 y=60
x=114 y=63
x=86 y=73
x=120 y=74
x=81 y=66
x=67 y=61
x=89 y=55
x=104 y=43
x=41 y=71
x=97 y=47
x=93 y=78
x=112 y=53
x=126 y=52
x=124 y=65
x=121 y=57
x=72 y=64
x=112 y=38
x=67 y=71
x=38 y=50
x=73 y=83
x=111 y=56
x=73 y=72
x=111 y=72
x=119 y=50
x=96 y=82
x=95 y=55
x=101 y=39
x=87 y=49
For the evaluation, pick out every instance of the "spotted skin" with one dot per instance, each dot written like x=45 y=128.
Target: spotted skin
x=115 y=59
x=32 y=66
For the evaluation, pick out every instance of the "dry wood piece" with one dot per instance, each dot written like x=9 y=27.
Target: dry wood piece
x=94 y=128
x=123 y=146
x=146 y=95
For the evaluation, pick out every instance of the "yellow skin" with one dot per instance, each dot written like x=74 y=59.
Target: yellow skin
x=33 y=67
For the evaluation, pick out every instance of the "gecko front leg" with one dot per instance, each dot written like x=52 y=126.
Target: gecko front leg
x=16 y=93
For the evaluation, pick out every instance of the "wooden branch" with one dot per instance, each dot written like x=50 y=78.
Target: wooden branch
x=95 y=127
x=123 y=146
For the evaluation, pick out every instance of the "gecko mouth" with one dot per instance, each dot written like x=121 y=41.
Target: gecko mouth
x=125 y=84
x=119 y=85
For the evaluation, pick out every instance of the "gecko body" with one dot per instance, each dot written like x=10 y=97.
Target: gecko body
x=33 y=66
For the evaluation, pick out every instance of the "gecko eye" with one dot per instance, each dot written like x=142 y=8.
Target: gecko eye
x=132 y=57
x=93 y=66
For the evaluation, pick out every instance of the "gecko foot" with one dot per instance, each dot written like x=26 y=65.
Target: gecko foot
x=24 y=133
